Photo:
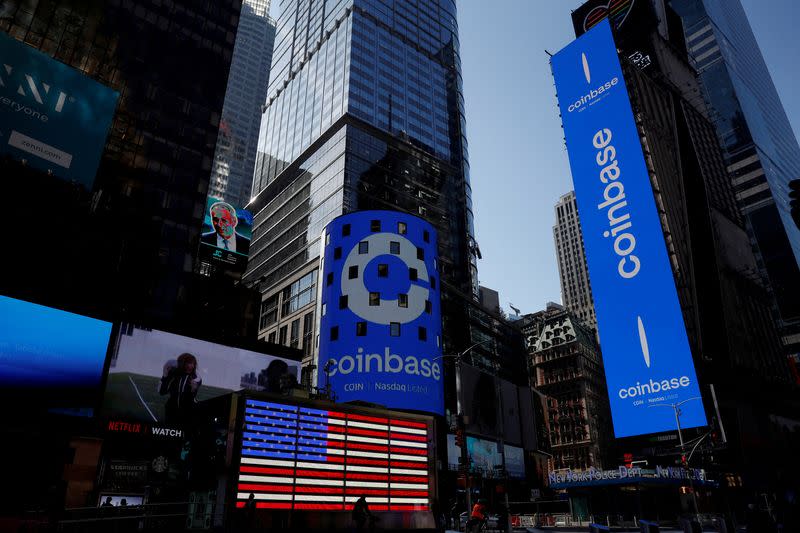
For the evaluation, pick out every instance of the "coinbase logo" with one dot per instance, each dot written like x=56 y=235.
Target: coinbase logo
x=380 y=326
x=385 y=311
x=594 y=95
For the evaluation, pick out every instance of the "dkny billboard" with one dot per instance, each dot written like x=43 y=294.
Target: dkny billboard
x=648 y=361
x=380 y=321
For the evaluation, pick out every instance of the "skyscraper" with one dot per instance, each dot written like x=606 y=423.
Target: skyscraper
x=364 y=111
x=132 y=238
x=576 y=292
x=761 y=152
x=235 y=156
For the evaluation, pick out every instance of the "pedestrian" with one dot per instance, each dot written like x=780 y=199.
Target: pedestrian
x=107 y=503
x=250 y=513
x=439 y=518
x=362 y=514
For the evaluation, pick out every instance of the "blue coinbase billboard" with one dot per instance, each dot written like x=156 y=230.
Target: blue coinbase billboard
x=52 y=115
x=380 y=323
x=646 y=352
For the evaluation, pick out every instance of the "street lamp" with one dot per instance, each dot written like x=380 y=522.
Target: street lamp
x=460 y=415
x=676 y=407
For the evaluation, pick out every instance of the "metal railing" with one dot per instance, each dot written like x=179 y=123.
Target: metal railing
x=172 y=516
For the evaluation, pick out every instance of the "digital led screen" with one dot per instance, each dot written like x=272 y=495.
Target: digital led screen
x=51 y=115
x=50 y=357
x=226 y=234
x=156 y=376
x=515 y=461
x=484 y=456
x=300 y=458
x=380 y=318
x=646 y=353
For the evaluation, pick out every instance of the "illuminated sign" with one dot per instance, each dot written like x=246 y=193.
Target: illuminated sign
x=117 y=426
x=226 y=235
x=52 y=115
x=51 y=358
x=594 y=12
x=159 y=377
x=622 y=475
x=300 y=458
x=380 y=319
x=646 y=352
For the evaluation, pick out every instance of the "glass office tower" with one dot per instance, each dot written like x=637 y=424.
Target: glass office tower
x=364 y=111
x=235 y=155
x=761 y=151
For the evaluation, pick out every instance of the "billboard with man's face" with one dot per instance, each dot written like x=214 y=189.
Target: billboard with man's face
x=159 y=377
x=226 y=234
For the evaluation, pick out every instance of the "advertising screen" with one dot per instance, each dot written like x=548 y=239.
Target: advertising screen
x=157 y=376
x=50 y=358
x=226 y=235
x=484 y=455
x=52 y=115
x=380 y=318
x=300 y=458
x=515 y=461
x=648 y=361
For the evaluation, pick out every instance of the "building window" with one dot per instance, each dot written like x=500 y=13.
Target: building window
x=426 y=236
x=352 y=272
x=282 y=336
x=269 y=312
x=343 y=301
x=346 y=230
x=374 y=298
x=361 y=329
x=420 y=254
x=363 y=247
x=308 y=333
x=383 y=270
x=335 y=333
x=294 y=339
x=402 y=229
x=301 y=293
x=402 y=300
x=375 y=225
x=337 y=252
x=394 y=329
x=422 y=333
x=394 y=247
x=271 y=337
x=412 y=274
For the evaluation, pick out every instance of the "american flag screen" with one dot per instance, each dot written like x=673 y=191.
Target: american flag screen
x=296 y=457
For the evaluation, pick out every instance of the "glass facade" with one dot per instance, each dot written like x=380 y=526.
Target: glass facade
x=364 y=111
x=235 y=156
x=762 y=153
x=131 y=240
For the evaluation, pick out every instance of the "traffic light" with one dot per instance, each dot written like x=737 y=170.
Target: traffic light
x=794 y=200
x=460 y=438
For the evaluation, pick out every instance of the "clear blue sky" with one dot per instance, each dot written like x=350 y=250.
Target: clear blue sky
x=518 y=162
x=517 y=157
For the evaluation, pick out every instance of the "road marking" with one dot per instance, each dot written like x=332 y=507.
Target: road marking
x=142 y=399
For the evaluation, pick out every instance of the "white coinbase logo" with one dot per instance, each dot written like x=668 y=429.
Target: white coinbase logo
x=589 y=97
x=358 y=295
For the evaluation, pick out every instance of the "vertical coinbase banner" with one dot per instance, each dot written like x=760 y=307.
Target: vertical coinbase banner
x=646 y=352
x=380 y=325
x=51 y=115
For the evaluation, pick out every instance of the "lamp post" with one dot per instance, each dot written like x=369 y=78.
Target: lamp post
x=676 y=407
x=460 y=416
